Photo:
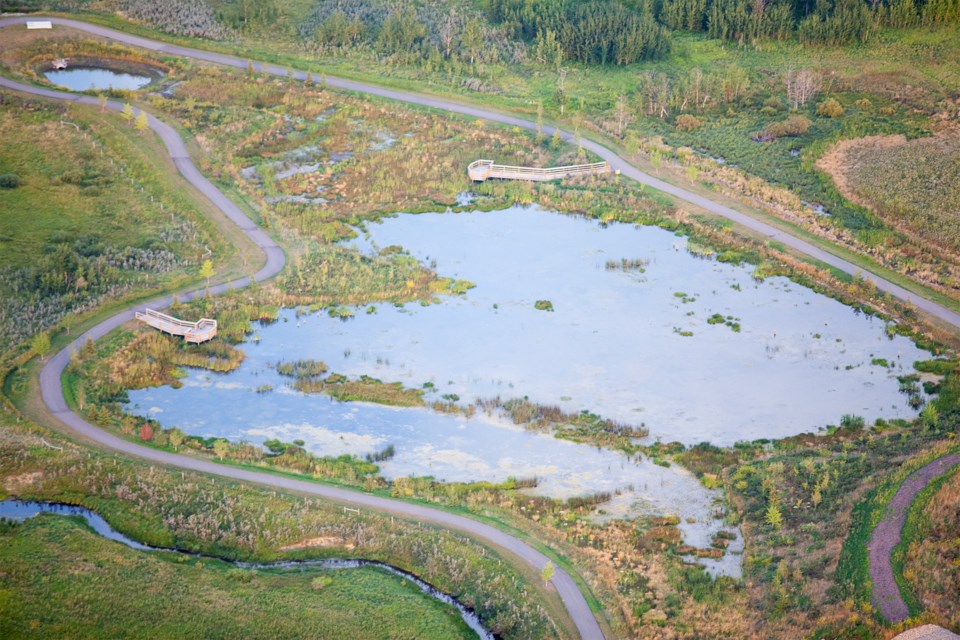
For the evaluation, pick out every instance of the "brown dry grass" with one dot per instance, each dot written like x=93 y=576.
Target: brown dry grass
x=932 y=564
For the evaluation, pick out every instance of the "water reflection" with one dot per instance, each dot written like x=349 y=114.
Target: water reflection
x=86 y=79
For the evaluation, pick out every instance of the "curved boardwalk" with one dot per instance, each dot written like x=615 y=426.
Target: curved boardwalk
x=52 y=372
x=886 y=594
x=480 y=170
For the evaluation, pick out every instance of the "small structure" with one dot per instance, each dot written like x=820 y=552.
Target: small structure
x=927 y=632
x=480 y=170
x=197 y=332
x=39 y=24
x=59 y=64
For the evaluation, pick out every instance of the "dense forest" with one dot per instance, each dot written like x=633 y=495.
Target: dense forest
x=603 y=32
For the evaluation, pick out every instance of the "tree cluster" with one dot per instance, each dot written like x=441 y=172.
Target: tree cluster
x=408 y=32
x=594 y=32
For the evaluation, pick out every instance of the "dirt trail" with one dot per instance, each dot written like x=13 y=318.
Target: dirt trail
x=886 y=594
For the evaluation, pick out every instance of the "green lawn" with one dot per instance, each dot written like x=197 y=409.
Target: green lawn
x=61 y=580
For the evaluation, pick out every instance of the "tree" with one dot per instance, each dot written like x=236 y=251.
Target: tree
x=548 y=571
x=176 y=438
x=127 y=113
x=206 y=271
x=623 y=115
x=556 y=141
x=802 y=86
x=102 y=98
x=540 y=121
x=250 y=69
x=146 y=432
x=561 y=93
x=142 y=124
x=41 y=344
x=221 y=447
x=773 y=517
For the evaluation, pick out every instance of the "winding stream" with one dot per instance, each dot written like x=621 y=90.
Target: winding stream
x=19 y=511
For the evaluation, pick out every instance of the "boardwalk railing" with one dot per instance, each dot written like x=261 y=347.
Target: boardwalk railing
x=480 y=170
x=200 y=331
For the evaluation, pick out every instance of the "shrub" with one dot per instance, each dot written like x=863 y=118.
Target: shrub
x=792 y=126
x=862 y=103
x=9 y=181
x=146 y=432
x=830 y=108
x=179 y=17
x=687 y=122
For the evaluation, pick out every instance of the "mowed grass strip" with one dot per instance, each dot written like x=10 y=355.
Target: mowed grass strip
x=58 y=579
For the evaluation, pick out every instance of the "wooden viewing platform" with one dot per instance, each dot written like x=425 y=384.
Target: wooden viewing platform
x=480 y=170
x=200 y=331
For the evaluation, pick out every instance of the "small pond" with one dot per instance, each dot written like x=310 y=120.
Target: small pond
x=18 y=511
x=96 y=79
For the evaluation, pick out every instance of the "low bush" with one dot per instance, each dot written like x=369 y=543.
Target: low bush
x=830 y=108
x=9 y=181
x=687 y=122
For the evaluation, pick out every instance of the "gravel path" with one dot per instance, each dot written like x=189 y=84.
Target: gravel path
x=886 y=595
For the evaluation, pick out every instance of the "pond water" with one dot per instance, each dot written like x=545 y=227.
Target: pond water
x=88 y=78
x=19 y=511
x=633 y=345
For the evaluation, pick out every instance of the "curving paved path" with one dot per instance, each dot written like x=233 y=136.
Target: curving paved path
x=886 y=594
x=52 y=390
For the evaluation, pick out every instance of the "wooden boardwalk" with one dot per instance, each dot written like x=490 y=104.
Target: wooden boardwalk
x=480 y=170
x=200 y=331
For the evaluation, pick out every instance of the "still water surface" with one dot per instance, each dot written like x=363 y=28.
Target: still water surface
x=633 y=345
x=86 y=79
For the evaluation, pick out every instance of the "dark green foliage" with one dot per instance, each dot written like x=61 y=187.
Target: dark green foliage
x=427 y=31
x=599 y=32
x=9 y=181
x=840 y=22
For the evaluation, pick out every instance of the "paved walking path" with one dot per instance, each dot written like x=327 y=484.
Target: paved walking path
x=886 y=594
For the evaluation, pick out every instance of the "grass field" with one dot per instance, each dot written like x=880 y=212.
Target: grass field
x=95 y=215
x=913 y=185
x=927 y=563
x=61 y=580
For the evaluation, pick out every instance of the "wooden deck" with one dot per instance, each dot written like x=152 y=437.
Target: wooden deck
x=200 y=331
x=480 y=170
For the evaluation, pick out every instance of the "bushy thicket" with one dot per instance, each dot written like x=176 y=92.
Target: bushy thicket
x=410 y=32
x=72 y=278
x=599 y=32
x=193 y=18
x=831 y=22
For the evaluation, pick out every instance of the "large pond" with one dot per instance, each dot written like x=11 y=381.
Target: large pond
x=636 y=345
x=95 y=79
